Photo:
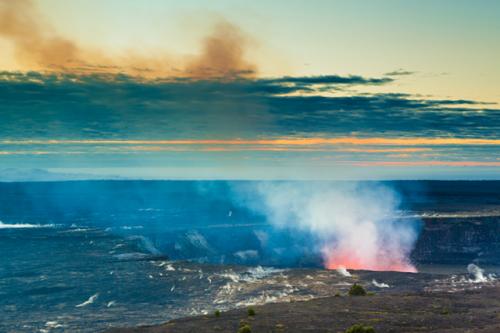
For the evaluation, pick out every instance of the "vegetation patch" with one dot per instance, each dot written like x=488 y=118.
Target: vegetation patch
x=245 y=329
x=358 y=328
x=251 y=312
x=357 y=290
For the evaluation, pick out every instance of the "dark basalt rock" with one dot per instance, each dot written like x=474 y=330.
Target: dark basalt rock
x=459 y=241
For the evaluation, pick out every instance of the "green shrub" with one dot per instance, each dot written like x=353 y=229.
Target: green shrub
x=251 y=312
x=217 y=313
x=245 y=329
x=357 y=290
x=358 y=328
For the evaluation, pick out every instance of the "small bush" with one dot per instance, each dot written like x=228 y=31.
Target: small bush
x=337 y=294
x=251 y=312
x=357 y=290
x=217 y=313
x=358 y=328
x=245 y=329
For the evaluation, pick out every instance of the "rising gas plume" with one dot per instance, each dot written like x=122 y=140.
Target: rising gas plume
x=353 y=226
x=34 y=43
x=37 y=46
x=223 y=54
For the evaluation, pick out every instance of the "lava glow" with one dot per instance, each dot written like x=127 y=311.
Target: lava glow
x=338 y=259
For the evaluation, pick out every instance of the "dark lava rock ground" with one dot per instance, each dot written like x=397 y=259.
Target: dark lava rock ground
x=476 y=310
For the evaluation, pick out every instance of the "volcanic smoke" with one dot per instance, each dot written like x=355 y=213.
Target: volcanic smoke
x=353 y=225
x=38 y=46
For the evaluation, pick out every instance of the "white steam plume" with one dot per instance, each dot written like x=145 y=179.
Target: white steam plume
x=353 y=224
x=478 y=274
x=380 y=284
x=344 y=272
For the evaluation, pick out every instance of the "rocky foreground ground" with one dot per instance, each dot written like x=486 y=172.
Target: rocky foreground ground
x=475 y=310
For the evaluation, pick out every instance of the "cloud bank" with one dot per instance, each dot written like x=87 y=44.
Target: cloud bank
x=70 y=106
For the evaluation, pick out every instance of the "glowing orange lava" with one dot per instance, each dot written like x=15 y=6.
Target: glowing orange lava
x=335 y=259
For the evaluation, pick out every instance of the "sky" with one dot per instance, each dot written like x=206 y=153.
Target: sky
x=251 y=90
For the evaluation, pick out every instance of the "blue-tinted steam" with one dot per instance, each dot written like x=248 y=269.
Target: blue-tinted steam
x=351 y=225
